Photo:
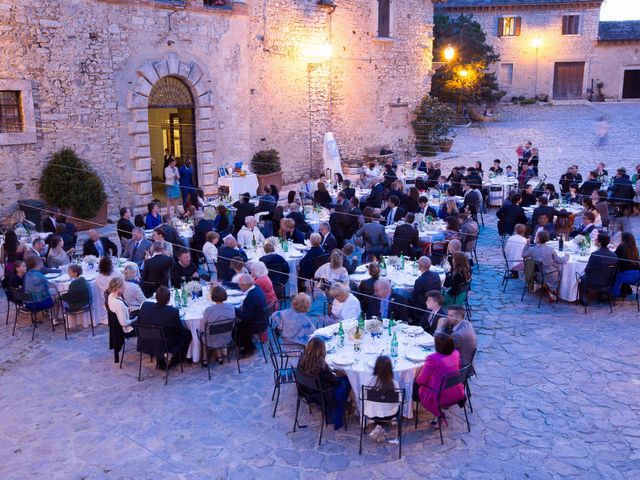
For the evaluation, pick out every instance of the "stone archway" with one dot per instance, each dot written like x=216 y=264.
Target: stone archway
x=137 y=103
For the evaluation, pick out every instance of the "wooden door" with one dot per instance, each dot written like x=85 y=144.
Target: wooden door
x=631 y=85
x=568 y=80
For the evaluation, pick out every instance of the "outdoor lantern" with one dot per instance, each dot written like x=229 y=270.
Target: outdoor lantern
x=449 y=53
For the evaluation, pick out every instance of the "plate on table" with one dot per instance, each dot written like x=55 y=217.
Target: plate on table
x=51 y=276
x=417 y=356
x=436 y=269
x=582 y=259
x=301 y=247
x=413 y=330
x=234 y=293
x=361 y=269
x=295 y=254
x=342 y=361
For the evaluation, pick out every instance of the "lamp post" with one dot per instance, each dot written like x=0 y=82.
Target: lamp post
x=537 y=43
x=449 y=53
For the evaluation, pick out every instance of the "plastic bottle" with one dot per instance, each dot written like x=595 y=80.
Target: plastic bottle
x=341 y=335
x=394 y=345
x=176 y=299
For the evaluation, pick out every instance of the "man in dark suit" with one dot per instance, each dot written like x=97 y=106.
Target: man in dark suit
x=511 y=215
x=329 y=242
x=386 y=303
x=543 y=208
x=435 y=311
x=267 y=202
x=473 y=179
x=566 y=180
x=433 y=174
x=98 y=246
x=183 y=269
x=393 y=213
x=543 y=225
x=600 y=267
x=171 y=235
x=137 y=247
x=406 y=240
x=348 y=191
x=160 y=314
x=50 y=222
x=622 y=188
x=204 y=226
x=276 y=264
x=472 y=197
x=424 y=208
x=251 y=317
x=226 y=253
x=244 y=208
x=374 y=200
x=353 y=218
x=298 y=217
x=155 y=271
x=307 y=266
x=124 y=226
x=426 y=282
x=591 y=185
x=528 y=198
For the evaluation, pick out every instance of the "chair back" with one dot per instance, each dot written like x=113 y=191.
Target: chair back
x=22 y=297
x=309 y=387
x=401 y=246
x=151 y=340
x=321 y=260
x=116 y=333
x=564 y=223
x=382 y=395
x=77 y=300
x=439 y=248
x=451 y=380
x=267 y=312
x=218 y=334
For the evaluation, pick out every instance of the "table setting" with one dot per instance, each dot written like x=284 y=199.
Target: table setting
x=579 y=252
x=401 y=277
x=293 y=254
x=315 y=216
x=427 y=232
x=358 y=355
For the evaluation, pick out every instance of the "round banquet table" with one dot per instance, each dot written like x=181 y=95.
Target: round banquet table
x=568 y=289
x=293 y=256
x=572 y=209
x=402 y=280
x=414 y=344
x=315 y=219
x=427 y=234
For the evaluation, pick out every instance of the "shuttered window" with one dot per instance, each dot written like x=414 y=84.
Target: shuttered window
x=509 y=26
x=384 y=18
x=570 y=24
x=10 y=112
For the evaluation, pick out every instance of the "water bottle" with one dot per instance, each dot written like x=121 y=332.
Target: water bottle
x=341 y=335
x=176 y=299
x=185 y=300
x=394 y=346
x=561 y=243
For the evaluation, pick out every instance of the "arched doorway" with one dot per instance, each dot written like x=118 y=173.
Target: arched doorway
x=171 y=127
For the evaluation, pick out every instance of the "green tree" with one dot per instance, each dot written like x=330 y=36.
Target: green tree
x=432 y=122
x=465 y=79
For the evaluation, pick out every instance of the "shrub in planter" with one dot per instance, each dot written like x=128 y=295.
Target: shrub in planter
x=266 y=165
x=69 y=182
x=432 y=123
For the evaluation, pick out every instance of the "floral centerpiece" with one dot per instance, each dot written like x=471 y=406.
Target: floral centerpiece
x=193 y=288
x=420 y=221
x=555 y=202
x=91 y=261
x=20 y=232
x=584 y=244
x=374 y=326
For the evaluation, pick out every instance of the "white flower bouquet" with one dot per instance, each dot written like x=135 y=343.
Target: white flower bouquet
x=193 y=287
x=90 y=259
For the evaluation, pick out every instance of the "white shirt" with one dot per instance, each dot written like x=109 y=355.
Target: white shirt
x=210 y=254
x=246 y=236
x=133 y=295
x=171 y=176
x=513 y=249
x=392 y=215
x=347 y=310
x=118 y=307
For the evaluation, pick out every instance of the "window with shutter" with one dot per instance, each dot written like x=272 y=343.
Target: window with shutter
x=570 y=24
x=509 y=26
x=384 y=18
x=10 y=112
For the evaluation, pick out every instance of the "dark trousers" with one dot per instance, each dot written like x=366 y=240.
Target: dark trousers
x=244 y=335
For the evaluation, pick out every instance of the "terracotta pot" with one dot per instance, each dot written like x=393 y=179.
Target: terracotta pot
x=445 y=145
x=270 y=179
x=98 y=221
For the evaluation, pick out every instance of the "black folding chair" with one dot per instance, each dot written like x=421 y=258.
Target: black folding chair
x=281 y=294
x=449 y=381
x=9 y=293
x=263 y=336
x=506 y=276
x=470 y=372
x=533 y=270
x=81 y=299
x=156 y=347
x=282 y=373
x=385 y=396
x=25 y=304
x=607 y=288
x=222 y=327
x=311 y=393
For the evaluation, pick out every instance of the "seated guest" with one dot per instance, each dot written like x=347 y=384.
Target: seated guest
x=261 y=280
x=411 y=201
x=366 y=286
x=276 y=264
x=551 y=263
x=294 y=325
x=448 y=209
x=124 y=226
x=444 y=362
x=204 y=226
x=435 y=311
x=459 y=275
x=250 y=233
x=371 y=170
x=56 y=257
x=35 y=283
x=293 y=197
x=573 y=196
x=138 y=221
x=156 y=269
x=321 y=196
x=158 y=236
x=161 y=314
x=406 y=239
x=329 y=242
x=78 y=286
x=394 y=212
x=600 y=266
x=426 y=282
x=349 y=258
x=244 y=208
x=15 y=280
x=453 y=228
x=345 y=305
x=170 y=232
x=374 y=237
x=496 y=169
x=510 y=215
x=469 y=231
x=313 y=363
x=461 y=331
x=513 y=249
x=508 y=172
x=307 y=268
x=333 y=271
x=442 y=186
x=69 y=240
x=566 y=179
x=543 y=208
x=386 y=304
x=227 y=252
x=550 y=192
x=472 y=197
x=106 y=273
x=267 y=202
x=210 y=251
x=117 y=305
x=221 y=222
x=453 y=247
x=99 y=246
x=381 y=413
x=348 y=191
x=133 y=295
x=340 y=226
x=587 y=228
x=528 y=198
x=137 y=247
x=238 y=268
x=306 y=188
x=153 y=219
x=591 y=185
x=363 y=181
x=628 y=265
x=290 y=231
x=600 y=200
x=251 y=315
x=588 y=206
x=217 y=313
x=374 y=200
x=425 y=209
x=544 y=225
x=183 y=270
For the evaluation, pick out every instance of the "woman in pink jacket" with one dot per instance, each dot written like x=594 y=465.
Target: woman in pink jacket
x=445 y=361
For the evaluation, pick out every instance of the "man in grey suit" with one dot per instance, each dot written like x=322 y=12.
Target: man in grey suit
x=137 y=247
x=374 y=237
x=461 y=331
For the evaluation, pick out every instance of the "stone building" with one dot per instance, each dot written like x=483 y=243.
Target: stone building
x=557 y=48
x=217 y=80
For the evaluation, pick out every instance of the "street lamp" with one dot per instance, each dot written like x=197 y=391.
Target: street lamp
x=537 y=43
x=463 y=73
x=449 y=53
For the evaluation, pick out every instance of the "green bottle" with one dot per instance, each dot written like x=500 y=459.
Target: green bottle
x=285 y=246
x=391 y=324
x=383 y=267
x=176 y=299
x=185 y=300
x=394 y=346
x=361 y=321
x=254 y=244
x=402 y=261
x=341 y=335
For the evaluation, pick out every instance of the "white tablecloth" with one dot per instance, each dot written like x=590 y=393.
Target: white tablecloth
x=400 y=279
x=431 y=233
x=315 y=219
x=293 y=257
x=360 y=365
x=568 y=289
x=239 y=185
x=97 y=299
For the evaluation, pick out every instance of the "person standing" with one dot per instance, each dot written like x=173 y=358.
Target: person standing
x=602 y=131
x=187 y=187
x=171 y=181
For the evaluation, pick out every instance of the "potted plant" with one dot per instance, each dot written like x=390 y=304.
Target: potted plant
x=266 y=165
x=70 y=183
x=600 y=94
x=432 y=122
x=446 y=144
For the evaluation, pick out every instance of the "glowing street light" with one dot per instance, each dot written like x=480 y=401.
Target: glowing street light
x=449 y=53
x=537 y=43
x=463 y=73
x=319 y=52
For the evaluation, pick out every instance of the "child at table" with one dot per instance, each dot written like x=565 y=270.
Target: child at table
x=381 y=413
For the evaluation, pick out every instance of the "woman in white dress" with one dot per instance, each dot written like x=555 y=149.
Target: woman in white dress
x=106 y=273
x=171 y=181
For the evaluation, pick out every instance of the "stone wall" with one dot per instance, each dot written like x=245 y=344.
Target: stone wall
x=610 y=63
x=92 y=64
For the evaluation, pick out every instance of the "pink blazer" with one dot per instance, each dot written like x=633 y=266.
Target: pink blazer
x=264 y=284
x=436 y=366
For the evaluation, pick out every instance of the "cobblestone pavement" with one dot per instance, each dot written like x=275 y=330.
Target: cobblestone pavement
x=556 y=396
x=564 y=134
